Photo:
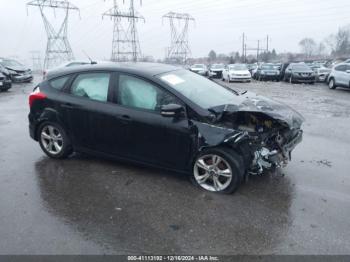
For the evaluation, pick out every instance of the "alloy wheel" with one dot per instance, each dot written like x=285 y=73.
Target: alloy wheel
x=331 y=84
x=212 y=172
x=51 y=139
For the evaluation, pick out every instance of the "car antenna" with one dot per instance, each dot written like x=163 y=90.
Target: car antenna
x=91 y=61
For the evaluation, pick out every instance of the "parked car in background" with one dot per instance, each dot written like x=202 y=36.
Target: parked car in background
x=200 y=69
x=163 y=116
x=18 y=72
x=283 y=70
x=215 y=70
x=5 y=82
x=69 y=64
x=5 y=79
x=299 y=73
x=322 y=74
x=278 y=66
x=339 y=76
x=252 y=68
x=236 y=72
x=267 y=71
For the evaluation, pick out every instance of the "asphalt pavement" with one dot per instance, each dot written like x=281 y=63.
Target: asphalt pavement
x=89 y=205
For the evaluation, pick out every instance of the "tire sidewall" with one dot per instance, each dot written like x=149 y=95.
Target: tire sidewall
x=232 y=158
x=66 y=144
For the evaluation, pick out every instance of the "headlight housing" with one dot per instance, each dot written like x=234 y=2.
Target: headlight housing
x=263 y=72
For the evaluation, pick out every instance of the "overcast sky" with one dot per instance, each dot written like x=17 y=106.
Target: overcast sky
x=219 y=25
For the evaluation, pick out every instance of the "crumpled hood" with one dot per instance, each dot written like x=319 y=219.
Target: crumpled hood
x=251 y=102
x=17 y=68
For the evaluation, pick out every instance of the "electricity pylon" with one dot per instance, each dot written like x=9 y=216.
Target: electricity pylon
x=36 y=61
x=58 y=48
x=179 y=49
x=125 y=43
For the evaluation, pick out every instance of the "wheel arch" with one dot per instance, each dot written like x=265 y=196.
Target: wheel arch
x=49 y=115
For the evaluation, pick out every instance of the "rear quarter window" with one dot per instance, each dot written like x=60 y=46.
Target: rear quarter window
x=58 y=83
x=340 y=68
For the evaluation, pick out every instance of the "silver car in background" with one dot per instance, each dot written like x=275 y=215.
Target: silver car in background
x=340 y=76
x=200 y=69
x=322 y=74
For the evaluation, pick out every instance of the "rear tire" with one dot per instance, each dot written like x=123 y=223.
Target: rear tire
x=219 y=170
x=54 y=141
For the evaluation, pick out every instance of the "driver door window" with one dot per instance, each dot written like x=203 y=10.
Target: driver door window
x=137 y=93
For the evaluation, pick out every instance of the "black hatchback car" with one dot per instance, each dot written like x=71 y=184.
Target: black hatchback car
x=163 y=116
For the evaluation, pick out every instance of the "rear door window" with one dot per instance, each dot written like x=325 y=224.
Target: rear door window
x=93 y=86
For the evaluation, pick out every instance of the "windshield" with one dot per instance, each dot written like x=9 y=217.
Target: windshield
x=268 y=67
x=217 y=66
x=301 y=67
x=9 y=62
x=198 y=89
x=198 y=66
x=238 y=67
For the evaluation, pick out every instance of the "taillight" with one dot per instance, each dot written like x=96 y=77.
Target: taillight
x=36 y=95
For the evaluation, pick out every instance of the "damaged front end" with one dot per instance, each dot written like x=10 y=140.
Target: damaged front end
x=263 y=131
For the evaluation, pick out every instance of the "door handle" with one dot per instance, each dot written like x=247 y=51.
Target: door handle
x=67 y=105
x=125 y=119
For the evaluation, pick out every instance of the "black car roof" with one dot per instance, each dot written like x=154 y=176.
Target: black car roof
x=139 y=68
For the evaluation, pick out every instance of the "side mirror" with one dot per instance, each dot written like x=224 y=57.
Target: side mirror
x=171 y=110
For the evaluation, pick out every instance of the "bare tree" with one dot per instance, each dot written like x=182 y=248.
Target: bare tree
x=212 y=56
x=339 y=43
x=321 y=50
x=308 y=47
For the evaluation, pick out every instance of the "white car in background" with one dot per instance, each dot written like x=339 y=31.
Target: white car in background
x=236 y=72
x=340 y=76
x=200 y=69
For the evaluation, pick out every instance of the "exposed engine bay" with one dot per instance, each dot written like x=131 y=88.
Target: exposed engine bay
x=269 y=139
x=264 y=137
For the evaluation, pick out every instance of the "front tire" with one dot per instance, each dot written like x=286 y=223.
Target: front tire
x=54 y=141
x=218 y=170
x=331 y=84
x=291 y=80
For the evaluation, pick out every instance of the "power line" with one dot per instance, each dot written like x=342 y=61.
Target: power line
x=58 y=48
x=179 y=49
x=36 y=61
x=125 y=43
x=258 y=49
